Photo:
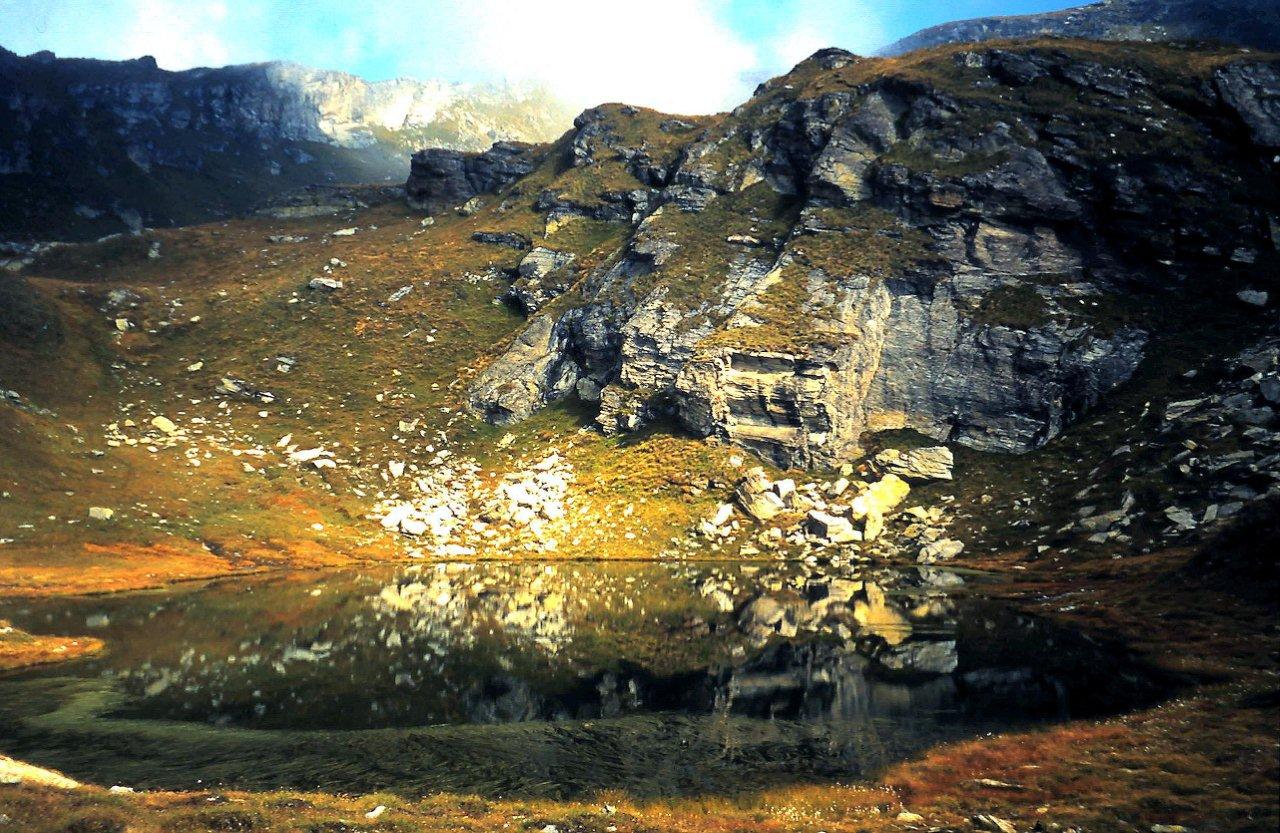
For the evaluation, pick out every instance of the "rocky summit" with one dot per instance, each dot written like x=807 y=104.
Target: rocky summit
x=953 y=243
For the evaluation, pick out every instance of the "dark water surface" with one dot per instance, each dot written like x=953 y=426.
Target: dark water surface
x=561 y=679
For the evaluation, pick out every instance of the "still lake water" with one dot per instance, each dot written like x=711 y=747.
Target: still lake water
x=558 y=680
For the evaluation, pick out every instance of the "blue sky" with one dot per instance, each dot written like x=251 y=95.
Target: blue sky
x=678 y=55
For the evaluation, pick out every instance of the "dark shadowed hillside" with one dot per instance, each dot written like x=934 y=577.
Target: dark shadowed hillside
x=91 y=147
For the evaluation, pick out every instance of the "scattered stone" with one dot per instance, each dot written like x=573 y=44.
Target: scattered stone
x=992 y=783
x=326 y=284
x=832 y=528
x=992 y=824
x=231 y=386
x=510 y=239
x=307 y=455
x=756 y=496
x=916 y=464
x=1181 y=517
x=101 y=513
x=943 y=550
x=164 y=425
x=345 y=232
x=1177 y=410
x=1253 y=297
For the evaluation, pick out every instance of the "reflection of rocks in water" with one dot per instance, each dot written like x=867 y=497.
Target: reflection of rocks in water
x=920 y=658
x=487 y=644
x=800 y=674
x=453 y=599
x=844 y=607
x=827 y=681
x=864 y=658
x=508 y=699
x=502 y=700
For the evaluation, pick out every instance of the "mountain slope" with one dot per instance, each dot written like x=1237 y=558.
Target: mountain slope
x=971 y=244
x=1252 y=23
x=90 y=147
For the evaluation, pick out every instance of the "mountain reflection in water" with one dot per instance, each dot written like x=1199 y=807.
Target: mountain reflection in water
x=850 y=671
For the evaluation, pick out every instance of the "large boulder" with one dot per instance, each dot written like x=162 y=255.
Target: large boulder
x=833 y=529
x=1252 y=90
x=757 y=497
x=916 y=464
x=533 y=371
x=439 y=177
x=874 y=505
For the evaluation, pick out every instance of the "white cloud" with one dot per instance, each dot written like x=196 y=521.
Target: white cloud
x=853 y=26
x=674 y=55
x=178 y=34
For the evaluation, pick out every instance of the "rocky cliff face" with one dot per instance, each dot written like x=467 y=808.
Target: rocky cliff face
x=444 y=176
x=971 y=244
x=1253 y=23
x=88 y=147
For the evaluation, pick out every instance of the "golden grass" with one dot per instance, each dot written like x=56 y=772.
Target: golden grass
x=19 y=649
x=1204 y=762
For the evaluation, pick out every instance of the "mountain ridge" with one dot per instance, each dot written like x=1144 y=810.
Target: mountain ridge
x=84 y=136
x=1250 y=23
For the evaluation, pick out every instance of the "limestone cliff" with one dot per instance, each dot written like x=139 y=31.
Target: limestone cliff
x=972 y=243
x=89 y=147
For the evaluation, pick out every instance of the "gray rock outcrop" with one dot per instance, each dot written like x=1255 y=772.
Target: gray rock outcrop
x=917 y=463
x=444 y=177
x=921 y=259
